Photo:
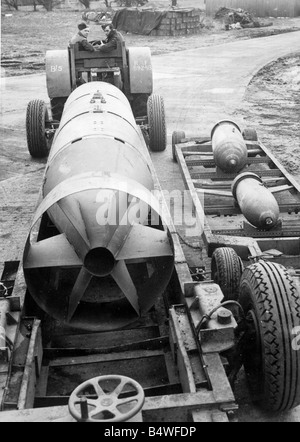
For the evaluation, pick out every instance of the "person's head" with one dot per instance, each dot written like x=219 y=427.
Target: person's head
x=84 y=29
x=107 y=29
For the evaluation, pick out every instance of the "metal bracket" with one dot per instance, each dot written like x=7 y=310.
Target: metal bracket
x=250 y=230
x=215 y=324
x=8 y=305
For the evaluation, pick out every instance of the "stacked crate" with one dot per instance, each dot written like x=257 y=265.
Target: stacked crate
x=179 y=22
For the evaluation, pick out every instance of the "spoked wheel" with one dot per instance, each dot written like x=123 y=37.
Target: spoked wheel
x=226 y=270
x=157 y=123
x=250 y=134
x=271 y=304
x=117 y=399
x=177 y=136
x=57 y=107
x=38 y=129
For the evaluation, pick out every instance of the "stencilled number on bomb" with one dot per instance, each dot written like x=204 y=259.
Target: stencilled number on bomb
x=56 y=68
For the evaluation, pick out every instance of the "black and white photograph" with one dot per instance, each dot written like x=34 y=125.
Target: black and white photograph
x=150 y=214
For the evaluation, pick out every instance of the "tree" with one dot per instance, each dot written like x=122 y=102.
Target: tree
x=12 y=4
x=86 y=3
x=49 y=4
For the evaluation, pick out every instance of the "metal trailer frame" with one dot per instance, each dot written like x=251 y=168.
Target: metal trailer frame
x=280 y=244
x=197 y=387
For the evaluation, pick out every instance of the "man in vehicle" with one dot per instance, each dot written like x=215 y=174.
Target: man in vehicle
x=111 y=41
x=81 y=38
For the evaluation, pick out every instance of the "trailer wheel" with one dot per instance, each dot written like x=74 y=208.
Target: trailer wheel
x=177 y=136
x=157 y=123
x=226 y=270
x=271 y=303
x=36 y=122
x=57 y=107
x=250 y=134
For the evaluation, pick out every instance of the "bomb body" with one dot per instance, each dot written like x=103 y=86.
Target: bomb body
x=229 y=148
x=104 y=262
x=257 y=203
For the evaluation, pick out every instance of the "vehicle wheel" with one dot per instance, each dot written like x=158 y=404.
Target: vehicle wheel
x=177 y=136
x=157 y=123
x=57 y=107
x=271 y=303
x=36 y=122
x=226 y=270
x=250 y=134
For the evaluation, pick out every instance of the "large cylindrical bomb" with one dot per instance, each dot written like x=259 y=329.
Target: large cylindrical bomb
x=257 y=203
x=102 y=256
x=229 y=148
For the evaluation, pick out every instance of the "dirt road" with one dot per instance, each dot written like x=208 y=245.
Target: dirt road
x=200 y=87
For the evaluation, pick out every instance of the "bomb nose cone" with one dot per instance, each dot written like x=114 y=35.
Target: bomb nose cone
x=268 y=220
x=233 y=163
x=99 y=262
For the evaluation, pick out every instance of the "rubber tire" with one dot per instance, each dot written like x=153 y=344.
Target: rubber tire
x=157 y=123
x=273 y=372
x=36 y=117
x=226 y=270
x=57 y=107
x=177 y=136
x=250 y=134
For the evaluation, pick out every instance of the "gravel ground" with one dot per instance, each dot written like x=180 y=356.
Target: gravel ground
x=272 y=105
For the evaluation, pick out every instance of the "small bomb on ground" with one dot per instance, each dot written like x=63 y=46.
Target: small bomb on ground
x=257 y=203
